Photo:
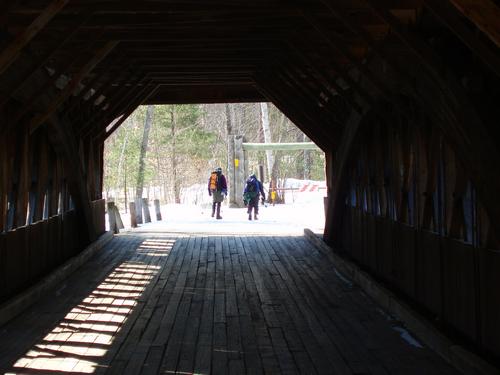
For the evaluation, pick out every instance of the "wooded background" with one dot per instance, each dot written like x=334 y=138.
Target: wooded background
x=182 y=144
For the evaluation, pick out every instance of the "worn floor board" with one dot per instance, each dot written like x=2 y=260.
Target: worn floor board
x=201 y=304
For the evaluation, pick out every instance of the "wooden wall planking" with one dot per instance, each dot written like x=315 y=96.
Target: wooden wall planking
x=436 y=273
x=489 y=302
x=30 y=252
x=429 y=264
x=415 y=239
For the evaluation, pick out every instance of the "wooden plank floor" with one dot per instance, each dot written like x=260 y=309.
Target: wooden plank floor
x=153 y=303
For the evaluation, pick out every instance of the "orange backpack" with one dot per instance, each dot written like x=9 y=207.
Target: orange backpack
x=213 y=181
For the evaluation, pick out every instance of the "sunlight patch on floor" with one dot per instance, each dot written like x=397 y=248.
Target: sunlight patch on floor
x=80 y=341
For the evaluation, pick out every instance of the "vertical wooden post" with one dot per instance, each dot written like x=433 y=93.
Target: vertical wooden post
x=239 y=170
x=133 y=216
x=145 y=207
x=261 y=173
x=245 y=163
x=230 y=171
x=118 y=218
x=138 y=210
x=112 y=217
x=337 y=163
x=157 y=209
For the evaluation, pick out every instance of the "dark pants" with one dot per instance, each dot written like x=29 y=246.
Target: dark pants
x=216 y=206
x=254 y=203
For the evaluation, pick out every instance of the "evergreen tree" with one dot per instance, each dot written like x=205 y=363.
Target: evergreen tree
x=187 y=141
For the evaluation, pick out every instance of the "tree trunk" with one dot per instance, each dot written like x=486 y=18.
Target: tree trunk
x=158 y=163
x=123 y=162
x=230 y=157
x=307 y=160
x=121 y=159
x=140 y=175
x=267 y=137
x=125 y=187
x=176 y=189
x=229 y=122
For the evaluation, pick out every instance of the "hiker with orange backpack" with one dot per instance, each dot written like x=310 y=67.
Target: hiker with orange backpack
x=217 y=189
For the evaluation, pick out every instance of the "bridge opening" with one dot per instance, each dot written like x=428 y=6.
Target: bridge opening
x=161 y=157
x=402 y=97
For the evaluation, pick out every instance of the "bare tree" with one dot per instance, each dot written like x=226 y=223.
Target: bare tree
x=140 y=175
x=267 y=137
x=175 y=181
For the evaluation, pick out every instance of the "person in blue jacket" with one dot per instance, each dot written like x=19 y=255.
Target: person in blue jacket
x=253 y=190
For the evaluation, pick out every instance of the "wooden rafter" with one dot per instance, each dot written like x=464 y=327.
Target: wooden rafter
x=343 y=74
x=88 y=88
x=448 y=15
x=47 y=85
x=113 y=101
x=120 y=104
x=280 y=89
x=329 y=83
x=71 y=86
x=9 y=54
x=43 y=60
x=342 y=48
x=139 y=99
x=343 y=153
x=484 y=14
x=106 y=86
x=299 y=81
x=294 y=113
x=65 y=145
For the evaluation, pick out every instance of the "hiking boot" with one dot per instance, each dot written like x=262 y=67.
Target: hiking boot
x=255 y=217
x=213 y=213
x=218 y=212
x=249 y=216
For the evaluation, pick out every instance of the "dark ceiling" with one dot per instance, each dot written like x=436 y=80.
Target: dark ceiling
x=110 y=56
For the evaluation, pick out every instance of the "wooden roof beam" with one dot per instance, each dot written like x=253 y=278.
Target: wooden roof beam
x=339 y=46
x=366 y=98
x=140 y=95
x=9 y=54
x=140 y=98
x=39 y=119
x=206 y=94
x=302 y=85
x=118 y=95
x=294 y=112
x=128 y=94
x=449 y=16
x=203 y=36
x=29 y=104
x=209 y=81
x=301 y=99
x=43 y=60
x=485 y=14
x=88 y=86
x=107 y=86
x=167 y=7
x=328 y=83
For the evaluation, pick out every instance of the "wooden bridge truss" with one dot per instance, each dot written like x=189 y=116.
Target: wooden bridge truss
x=402 y=96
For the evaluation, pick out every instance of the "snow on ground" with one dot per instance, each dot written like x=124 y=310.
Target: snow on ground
x=304 y=208
x=287 y=219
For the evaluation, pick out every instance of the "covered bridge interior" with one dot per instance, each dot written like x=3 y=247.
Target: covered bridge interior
x=402 y=96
